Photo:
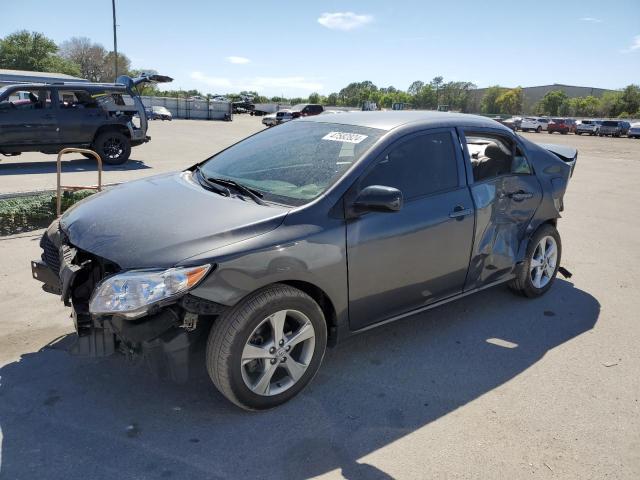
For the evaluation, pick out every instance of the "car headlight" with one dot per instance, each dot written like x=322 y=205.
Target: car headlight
x=131 y=293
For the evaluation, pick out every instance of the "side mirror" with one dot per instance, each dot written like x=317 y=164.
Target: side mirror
x=378 y=198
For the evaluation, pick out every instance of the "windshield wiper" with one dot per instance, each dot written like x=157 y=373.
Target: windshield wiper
x=255 y=195
x=204 y=181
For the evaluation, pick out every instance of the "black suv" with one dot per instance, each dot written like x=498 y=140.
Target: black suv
x=306 y=110
x=108 y=118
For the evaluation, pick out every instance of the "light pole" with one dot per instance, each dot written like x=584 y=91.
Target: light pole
x=115 y=38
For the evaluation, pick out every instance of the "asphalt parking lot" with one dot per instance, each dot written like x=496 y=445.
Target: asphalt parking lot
x=492 y=386
x=174 y=145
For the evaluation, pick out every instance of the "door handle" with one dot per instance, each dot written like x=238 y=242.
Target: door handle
x=459 y=211
x=520 y=196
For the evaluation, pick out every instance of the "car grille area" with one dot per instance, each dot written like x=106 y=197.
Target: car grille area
x=50 y=254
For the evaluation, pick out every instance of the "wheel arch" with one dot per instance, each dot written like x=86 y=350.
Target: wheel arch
x=112 y=127
x=323 y=300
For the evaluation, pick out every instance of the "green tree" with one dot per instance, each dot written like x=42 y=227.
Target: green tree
x=631 y=98
x=488 y=103
x=332 y=99
x=33 y=51
x=425 y=98
x=611 y=104
x=314 y=97
x=550 y=103
x=510 y=101
x=415 y=87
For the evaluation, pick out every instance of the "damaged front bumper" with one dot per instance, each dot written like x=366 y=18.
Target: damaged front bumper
x=165 y=339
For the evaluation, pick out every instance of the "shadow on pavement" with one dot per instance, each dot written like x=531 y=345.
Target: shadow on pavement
x=67 y=417
x=68 y=166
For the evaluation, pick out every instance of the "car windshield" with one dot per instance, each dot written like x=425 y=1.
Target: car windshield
x=295 y=162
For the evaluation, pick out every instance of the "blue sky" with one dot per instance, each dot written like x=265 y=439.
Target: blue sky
x=296 y=47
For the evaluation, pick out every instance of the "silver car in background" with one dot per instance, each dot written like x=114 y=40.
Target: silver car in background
x=277 y=118
x=634 y=131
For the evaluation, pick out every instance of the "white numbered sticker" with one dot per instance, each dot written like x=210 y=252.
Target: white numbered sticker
x=344 y=137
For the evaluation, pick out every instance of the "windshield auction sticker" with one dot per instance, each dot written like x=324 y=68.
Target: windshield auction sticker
x=344 y=137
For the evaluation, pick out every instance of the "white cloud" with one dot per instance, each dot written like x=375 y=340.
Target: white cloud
x=344 y=21
x=259 y=84
x=635 y=45
x=590 y=20
x=238 y=60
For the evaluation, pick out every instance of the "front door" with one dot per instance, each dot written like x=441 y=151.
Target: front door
x=404 y=260
x=27 y=118
x=506 y=195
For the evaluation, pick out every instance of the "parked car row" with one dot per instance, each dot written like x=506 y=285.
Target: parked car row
x=297 y=111
x=613 y=128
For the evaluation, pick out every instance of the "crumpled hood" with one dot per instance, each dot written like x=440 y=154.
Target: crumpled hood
x=160 y=221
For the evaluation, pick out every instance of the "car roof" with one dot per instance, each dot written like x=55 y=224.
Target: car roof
x=81 y=85
x=394 y=119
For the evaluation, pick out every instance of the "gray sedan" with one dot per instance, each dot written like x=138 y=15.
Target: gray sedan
x=300 y=236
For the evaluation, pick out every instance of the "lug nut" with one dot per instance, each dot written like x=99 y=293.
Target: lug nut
x=272 y=350
x=281 y=342
x=273 y=360
x=288 y=348
x=283 y=359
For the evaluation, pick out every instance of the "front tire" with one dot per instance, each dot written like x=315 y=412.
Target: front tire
x=265 y=350
x=540 y=267
x=538 y=130
x=113 y=147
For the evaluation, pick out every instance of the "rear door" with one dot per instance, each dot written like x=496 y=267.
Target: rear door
x=79 y=115
x=405 y=260
x=27 y=118
x=506 y=194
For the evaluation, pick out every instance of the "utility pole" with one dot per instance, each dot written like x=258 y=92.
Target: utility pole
x=115 y=38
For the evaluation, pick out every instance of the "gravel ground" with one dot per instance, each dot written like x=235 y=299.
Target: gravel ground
x=492 y=386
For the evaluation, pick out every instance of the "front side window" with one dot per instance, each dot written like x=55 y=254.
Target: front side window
x=419 y=166
x=294 y=163
x=493 y=156
x=32 y=99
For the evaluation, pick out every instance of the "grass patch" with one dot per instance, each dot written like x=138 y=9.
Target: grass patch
x=27 y=213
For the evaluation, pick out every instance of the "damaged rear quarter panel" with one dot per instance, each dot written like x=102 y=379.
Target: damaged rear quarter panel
x=503 y=226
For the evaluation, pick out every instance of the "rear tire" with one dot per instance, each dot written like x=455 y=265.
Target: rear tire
x=113 y=147
x=538 y=130
x=248 y=343
x=540 y=266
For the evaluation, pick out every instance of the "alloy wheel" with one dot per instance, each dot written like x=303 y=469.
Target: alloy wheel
x=543 y=262
x=112 y=147
x=278 y=352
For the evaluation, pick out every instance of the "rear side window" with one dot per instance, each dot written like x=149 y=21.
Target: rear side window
x=418 y=166
x=493 y=156
x=76 y=99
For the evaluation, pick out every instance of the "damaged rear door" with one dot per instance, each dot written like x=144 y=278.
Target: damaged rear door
x=506 y=194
